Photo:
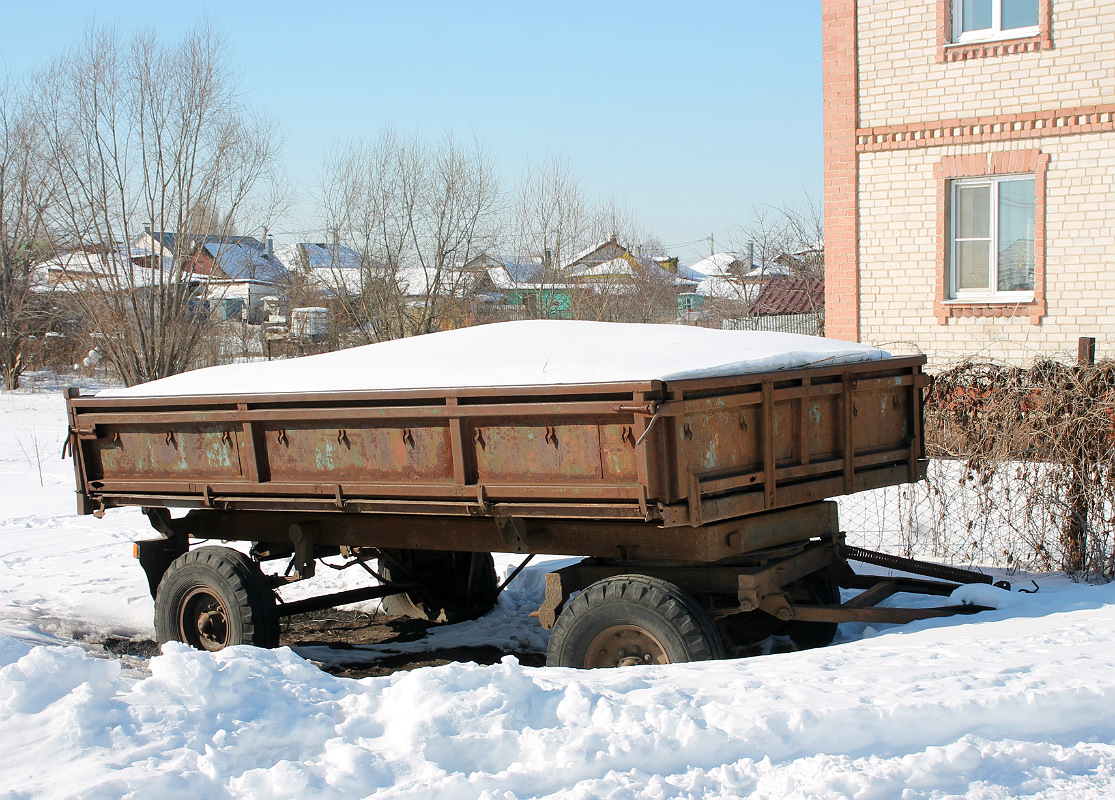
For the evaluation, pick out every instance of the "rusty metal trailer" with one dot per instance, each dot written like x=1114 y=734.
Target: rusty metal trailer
x=700 y=505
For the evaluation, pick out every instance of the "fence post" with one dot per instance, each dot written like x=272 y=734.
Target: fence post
x=1086 y=351
x=1074 y=538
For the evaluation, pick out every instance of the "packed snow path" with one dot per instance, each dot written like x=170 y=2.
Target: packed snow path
x=1017 y=702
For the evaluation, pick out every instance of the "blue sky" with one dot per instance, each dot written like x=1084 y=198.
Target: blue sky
x=690 y=113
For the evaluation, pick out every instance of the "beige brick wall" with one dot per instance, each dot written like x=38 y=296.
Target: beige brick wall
x=902 y=81
x=898 y=254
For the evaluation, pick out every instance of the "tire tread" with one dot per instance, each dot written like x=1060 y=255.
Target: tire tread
x=676 y=609
x=249 y=593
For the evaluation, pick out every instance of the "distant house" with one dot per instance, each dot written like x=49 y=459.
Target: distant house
x=234 y=271
x=629 y=271
x=807 y=262
x=722 y=264
x=788 y=305
x=506 y=271
x=726 y=285
x=332 y=269
x=521 y=286
x=103 y=268
x=534 y=288
x=597 y=254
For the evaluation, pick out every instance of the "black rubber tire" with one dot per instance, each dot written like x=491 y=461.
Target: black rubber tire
x=655 y=607
x=221 y=580
x=807 y=635
x=448 y=571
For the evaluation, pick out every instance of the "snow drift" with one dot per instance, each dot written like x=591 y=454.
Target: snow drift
x=1017 y=705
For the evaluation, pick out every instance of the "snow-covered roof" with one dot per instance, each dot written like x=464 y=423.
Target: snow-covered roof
x=523 y=271
x=524 y=353
x=734 y=265
x=123 y=266
x=419 y=281
x=718 y=263
x=622 y=267
x=690 y=274
x=717 y=286
x=513 y=276
x=617 y=266
x=315 y=255
x=337 y=282
x=238 y=257
x=244 y=260
x=772 y=270
x=332 y=268
x=588 y=251
x=721 y=282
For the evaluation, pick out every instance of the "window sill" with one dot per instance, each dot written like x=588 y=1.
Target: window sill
x=1033 y=307
x=987 y=48
x=991 y=300
x=1012 y=33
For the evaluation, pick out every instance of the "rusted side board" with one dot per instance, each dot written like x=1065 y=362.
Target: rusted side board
x=682 y=454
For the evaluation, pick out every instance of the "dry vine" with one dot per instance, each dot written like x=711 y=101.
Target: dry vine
x=1037 y=448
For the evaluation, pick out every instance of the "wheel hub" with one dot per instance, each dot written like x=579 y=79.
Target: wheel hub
x=203 y=620
x=624 y=646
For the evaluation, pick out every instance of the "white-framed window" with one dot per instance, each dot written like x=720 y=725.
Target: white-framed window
x=981 y=20
x=991 y=238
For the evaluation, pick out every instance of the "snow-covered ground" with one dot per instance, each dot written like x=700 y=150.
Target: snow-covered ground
x=1016 y=702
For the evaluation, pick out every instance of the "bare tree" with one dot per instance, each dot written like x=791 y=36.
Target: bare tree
x=25 y=192
x=416 y=214
x=610 y=217
x=138 y=132
x=549 y=222
x=549 y=219
x=785 y=246
x=792 y=237
x=634 y=289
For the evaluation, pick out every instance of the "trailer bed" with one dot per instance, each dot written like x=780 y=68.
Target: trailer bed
x=682 y=453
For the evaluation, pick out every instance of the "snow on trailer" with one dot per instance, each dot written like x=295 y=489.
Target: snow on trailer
x=689 y=466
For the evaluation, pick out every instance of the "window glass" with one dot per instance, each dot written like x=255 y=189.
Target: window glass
x=976 y=15
x=992 y=232
x=1019 y=14
x=972 y=266
x=1016 y=235
x=973 y=219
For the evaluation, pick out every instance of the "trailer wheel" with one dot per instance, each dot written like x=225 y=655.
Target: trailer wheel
x=215 y=597
x=447 y=574
x=807 y=635
x=627 y=620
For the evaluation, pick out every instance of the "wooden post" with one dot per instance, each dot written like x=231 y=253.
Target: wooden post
x=1074 y=538
x=1086 y=351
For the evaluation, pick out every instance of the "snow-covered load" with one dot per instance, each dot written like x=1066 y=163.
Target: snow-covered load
x=689 y=465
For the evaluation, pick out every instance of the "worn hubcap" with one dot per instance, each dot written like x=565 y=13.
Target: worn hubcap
x=203 y=620
x=624 y=646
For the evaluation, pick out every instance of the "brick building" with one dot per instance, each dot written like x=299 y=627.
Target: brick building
x=970 y=175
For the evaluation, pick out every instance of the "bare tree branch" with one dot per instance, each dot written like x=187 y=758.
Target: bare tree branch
x=142 y=134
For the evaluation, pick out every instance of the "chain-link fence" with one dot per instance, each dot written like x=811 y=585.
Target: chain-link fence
x=958 y=517
x=1021 y=473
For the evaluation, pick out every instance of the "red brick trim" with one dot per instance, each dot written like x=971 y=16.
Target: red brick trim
x=999 y=128
x=840 y=78
x=1008 y=162
x=947 y=51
